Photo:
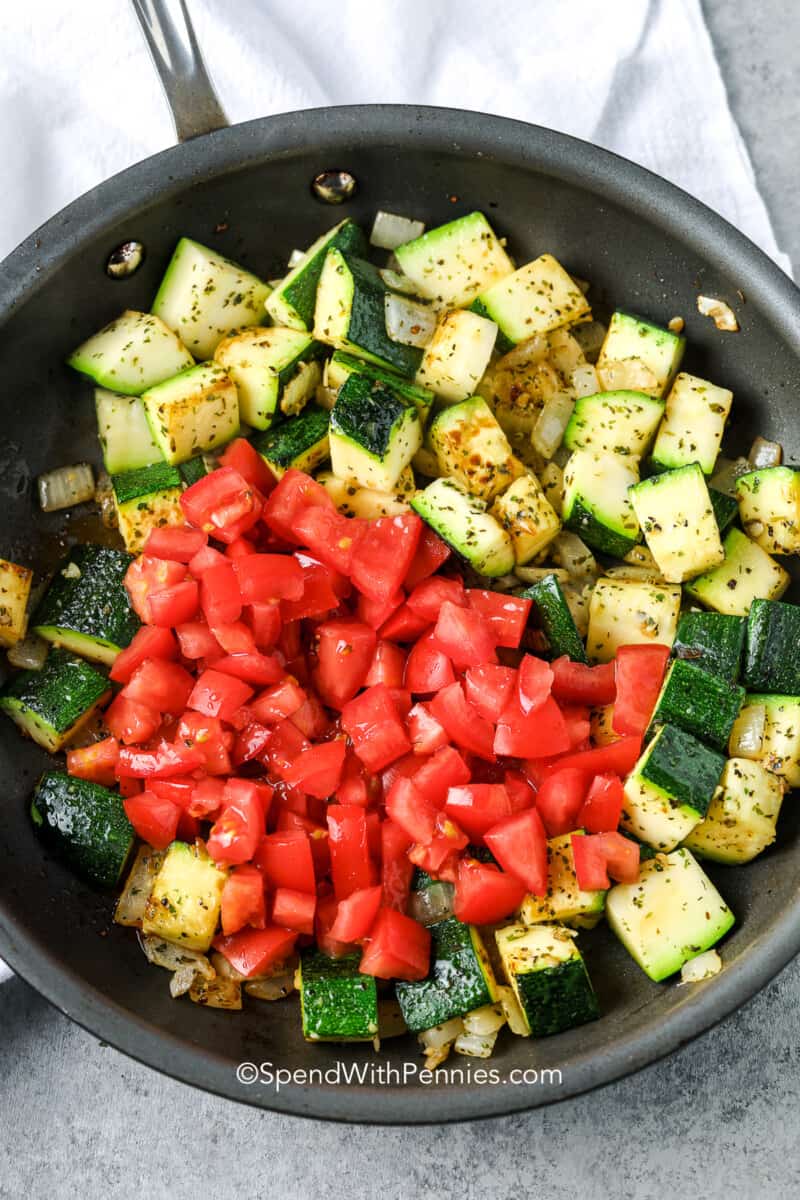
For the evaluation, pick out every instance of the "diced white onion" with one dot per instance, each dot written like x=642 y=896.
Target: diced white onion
x=440 y=1035
x=475 y=1045
x=29 y=653
x=721 y=313
x=276 y=988
x=526 y=354
x=296 y=257
x=435 y=1058
x=182 y=980
x=577 y=597
x=224 y=969
x=634 y=571
x=676 y=324
x=765 y=454
x=485 y=1020
x=513 y=1013
x=65 y=487
x=138 y=886
x=631 y=374
x=325 y=397
x=548 y=431
x=584 y=380
x=172 y=957
x=552 y=481
x=727 y=472
x=397 y=281
x=575 y=556
x=590 y=336
x=433 y=903
x=390 y=230
x=565 y=353
x=702 y=966
x=407 y=321
x=747 y=735
x=534 y=574
x=216 y=993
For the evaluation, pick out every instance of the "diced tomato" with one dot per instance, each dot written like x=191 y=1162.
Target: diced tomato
x=396 y=868
x=489 y=687
x=240 y=548
x=154 y=819
x=353 y=785
x=295 y=491
x=464 y=636
x=220 y=597
x=96 y=762
x=251 y=742
x=535 y=682
x=590 y=862
x=621 y=854
x=356 y=914
x=234 y=637
x=327 y=909
x=425 y=731
x=266 y=578
x=618 y=757
x=531 y=735
x=252 y=667
x=290 y=642
x=265 y=622
x=428 y=596
x=160 y=684
x=285 y=858
x=175 y=604
x=311 y=718
x=163 y=762
x=236 y=833
x=401 y=768
x=294 y=909
x=506 y=616
x=398 y=948
x=318 y=770
x=484 y=894
x=430 y=554
x=520 y=793
x=319 y=592
x=387 y=666
x=253 y=951
x=578 y=684
x=351 y=865
x=197 y=641
x=559 y=800
x=579 y=725
x=130 y=722
x=129 y=787
x=639 y=674
x=243 y=900
x=403 y=626
x=375 y=729
x=207 y=733
x=179 y=791
x=285 y=745
x=222 y=504
x=147 y=642
x=376 y=612
x=345 y=650
x=428 y=668
x=385 y=553
x=243 y=457
x=477 y=807
x=414 y=813
x=444 y=770
x=519 y=843
x=175 y=542
x=208 y=799
x=146 y=575
x=602 y=809
x=218 y=695
x=463 y=722
x=442 y=849
x=278 y=702
x=205 y=559
x=332 y=537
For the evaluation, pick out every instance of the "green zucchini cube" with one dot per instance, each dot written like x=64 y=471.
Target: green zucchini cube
x=471 y=448
x=551 y=611
x=461 y=520
x=86 y=824
x=301 y=442
x=549 y=978
x=622 y=422
x=769 y=505
x=694 y=421
x=699 y=702
x=670 y=788
x=184 y=905
x=193 y=412
x=678 y=522
x=671 y=915
x=713 y=641
x=51 y=705
x=630 y=612
x=194 y=469
x=747 y=573
x=341 y=366
x=596 y=502
x=456 y=357
x=528 y=517
x=86 y=608
x=374 y=433
x=338 y=1003
x=725 y=509
x=147 y=499
x=455 y=262
x=270 y=369
x=461 y=978
x=293 y=300
x=564 y=900
x=15 y=591
x=741 y=819
x=631 y=339
x=536 y=298
x=780 y=744
x=771 y=659
x=131 y=354
x=124 y=432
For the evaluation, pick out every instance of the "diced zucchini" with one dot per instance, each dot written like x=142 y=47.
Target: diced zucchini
x=627 y=612
x=132 y=354
x=678 y=522
x=293 y=300
x=742 y=816
x=713 y=641
x=455 y=262
x=342 y=365
x=355 y=501
x=300 y=442
x=51 y=705
x=769 y=505
x=533 y=299
x=632 y=339
x=124 y=432
x=460 y=979
x=771 y=662
x=746 y=574
x=471 y=447
x=86 y=608
x=671 y=915
x=184 y=905
x=374 y=433
x=614 y=423
x=264 y=364
x=549 y=978
x=462 y=521
x=525 y=513
x=457 y=355
x=193 y=412
x=693 y=424
x=85 y=823
x=780 y=745
x=338 y=1003
x=147 y=499
x=15 y=590
x=194 y=469
x=596 y=501
x=725 y=509
x=555 y=619
x=699 y=702
x=204 y=296
x=350 y=313
x=564 y=901
x=670 y=788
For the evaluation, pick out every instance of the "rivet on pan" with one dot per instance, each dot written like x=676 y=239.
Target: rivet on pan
x=334 y=187
x=126 y=259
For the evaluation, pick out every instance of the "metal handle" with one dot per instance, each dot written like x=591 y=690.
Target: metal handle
x=171 y=40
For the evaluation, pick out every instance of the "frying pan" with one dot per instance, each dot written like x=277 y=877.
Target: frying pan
x=246 y=190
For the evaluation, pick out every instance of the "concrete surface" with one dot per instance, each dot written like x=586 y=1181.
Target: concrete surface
x=714 y=1119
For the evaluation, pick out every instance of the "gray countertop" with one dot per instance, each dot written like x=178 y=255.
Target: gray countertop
x=716 y=1118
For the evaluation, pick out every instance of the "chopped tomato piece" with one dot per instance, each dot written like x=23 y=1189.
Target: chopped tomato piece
x=639 y=674
x=403 y=625
x=265 y=622
x=398 y=948
x=317 y=771
x=96 y=762
x=331 y=536
x=602 y=809
x=278 y=702
x=236 y=833
x=253 y=951
x=444 y=770
x=295 y=491
x=356 y=914
x=578 y=684
x=464 y=636
x=220 y=597
x=535 y=682
x=244 y=458
x=294 y=909
x=208 y=799
x=285 y=858
x=147 y=642
x=484 y=894
x=520 y=792
x=345 y=650
x=590 y=862
x=160 y=684
x=519 y=843
x=531 y=735
x=351 y=865
x=385 y=553
x=387 y=666
x=579 y=725
x=234 y=637
x=622 y=856
x=477 y=807
x=327 y=909
x=354 y=787
x=176 y=542
x=252 y=667
x=197 y=641
x=489 y=687
x=428 y=668
x=376 y=612
x=396 y=867
x=130 y=722
x=146 y=575
x=371 y=721
x=218 y=695
x=266 y=578
x=428 y=597
x=425 y=731
x=284 y=747
x=559 y=800
x=243 y=900
x=204 y=559
x=240 y=548
x=174 y=604
x=251 y=742
x=222 y=504
x=430 y=554
x=154 y=818
x=311 y=718
x=319 y=592
x=506 y=616
x=463 y=722
x=194 y=729
x=618 y=757
x=414 y=813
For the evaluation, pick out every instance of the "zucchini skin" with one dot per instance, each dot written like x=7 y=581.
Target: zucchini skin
x=771 y=662
x=458 y=980
x=193 y=469
x=713 y=641
x=725 y=509
x=367 y=412
x=698 y=702
x=301 y=293
x=555 y=619
x=583 y=521
x=684 y=768
x=86 y=824
x=557 y=998
x=144 y=481
x=290 y=440
x=367 y=326
x=338 y=1003
x=57 y=697
x=93 y=604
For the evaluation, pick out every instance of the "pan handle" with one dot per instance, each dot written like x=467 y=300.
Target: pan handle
x=171 y=40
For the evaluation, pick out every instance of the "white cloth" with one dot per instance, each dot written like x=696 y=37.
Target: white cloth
x=81 y=99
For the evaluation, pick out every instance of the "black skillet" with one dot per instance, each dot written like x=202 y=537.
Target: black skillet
x=246 y=190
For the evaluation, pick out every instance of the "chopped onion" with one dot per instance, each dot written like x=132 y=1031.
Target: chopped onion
x=552 y=481
x=727 y=472
x=633 y=571
x=170 y=956
x=534 y=574
x=433 y=903
x=512 y=1011
x=390 y=230
x=702 y=966
x=216 y=993
x=526 y=354
x=65 y=487
x=641 y=556
x=565 y=353
x=276 y=988
x=747 y=735
x=105 y=501
x=584 y=380
x=224 y=969
x=765 y=454
x=485 y=1020
x=325 y=397
x=138 y=886
x=182 y=980
x=29 y=653
x=630 y=374
x=676 y=324
x=578 y=604
x=475 y=1045
x=575 y=557
x=548 y=432
x=407 y=321
x=397 y=281
x=435 y=1058
x=440 y=1035
x=721 y=313
x=296 y=257
x=590 y=336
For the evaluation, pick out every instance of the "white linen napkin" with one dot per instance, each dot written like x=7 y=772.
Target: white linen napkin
x=637 y=76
